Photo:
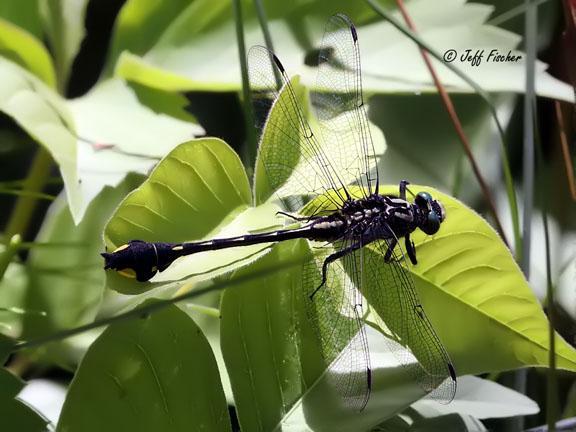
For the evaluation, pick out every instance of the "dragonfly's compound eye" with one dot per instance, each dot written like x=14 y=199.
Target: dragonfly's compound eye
x=439 y=210
x=423 y=200
x=432 y=224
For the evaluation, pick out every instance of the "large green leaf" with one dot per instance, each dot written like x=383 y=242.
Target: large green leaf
x=66 y=278
x=184 y=59
x=23 y=48
x=477 y=298
x=196 y=189
x=154 y=373
x=259 y=341
x=44 y=116
x=16 y=415
x=299 y=170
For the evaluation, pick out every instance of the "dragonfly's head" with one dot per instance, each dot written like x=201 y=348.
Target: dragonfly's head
x=135 y=259
x=433 y=211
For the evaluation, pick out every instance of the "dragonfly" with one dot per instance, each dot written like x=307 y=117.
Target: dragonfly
x=355 y=231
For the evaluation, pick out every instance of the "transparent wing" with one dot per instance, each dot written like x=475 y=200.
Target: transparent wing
x=339 y=104
x=336 y=313
x=390 y=291
x=295 y=162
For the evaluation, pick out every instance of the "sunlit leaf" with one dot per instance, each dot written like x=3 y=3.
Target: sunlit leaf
x=44 y=116
x=198 y=187
x=21 y=47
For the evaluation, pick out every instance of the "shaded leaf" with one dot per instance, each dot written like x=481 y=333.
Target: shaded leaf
x=259 y=341
x=16 y=415
x=23 y=13
x=151 y=374
x=66 y=276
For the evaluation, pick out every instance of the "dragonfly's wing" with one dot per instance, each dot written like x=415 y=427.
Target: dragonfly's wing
x=390 y=291
x=339 y=103
x=336 y=312
x=295 y=162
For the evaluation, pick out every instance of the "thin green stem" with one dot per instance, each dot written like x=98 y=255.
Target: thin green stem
x=484 y=95
x=512 y=13
x=250 y=151
x=205 y=310
x=57 y=36
x=156 y=306
x=261 y=13
x=17 y=192
x=25 y=205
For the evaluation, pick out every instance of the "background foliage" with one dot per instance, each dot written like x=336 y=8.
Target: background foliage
x=124 y=119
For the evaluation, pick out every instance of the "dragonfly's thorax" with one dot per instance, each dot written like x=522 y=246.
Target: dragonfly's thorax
x=374 y=217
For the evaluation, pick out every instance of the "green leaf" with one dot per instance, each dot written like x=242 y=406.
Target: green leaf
x=466 y=275
x=140 y=23
x=198 y=187
x=64 y=23
x=43 y=115
x=23 y=48
x=23 y=13
x=66 y=278
x=273 y=149
x=16 y=415
x=390 y=67
x=259 y=341
x=155 y=373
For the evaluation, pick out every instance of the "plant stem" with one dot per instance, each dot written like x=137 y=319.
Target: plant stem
x=261 y=13
x=25 y=205
x=565 y=150
x=250 y=151
x=156 y=306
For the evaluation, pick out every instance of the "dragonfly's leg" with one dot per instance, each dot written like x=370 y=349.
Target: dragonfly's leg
x=403 y=187
x=411 y=249
x=330 y=259
x=296 y=218
x=391 y=245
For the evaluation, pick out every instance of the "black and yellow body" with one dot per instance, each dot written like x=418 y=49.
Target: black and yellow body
x=372 y=218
